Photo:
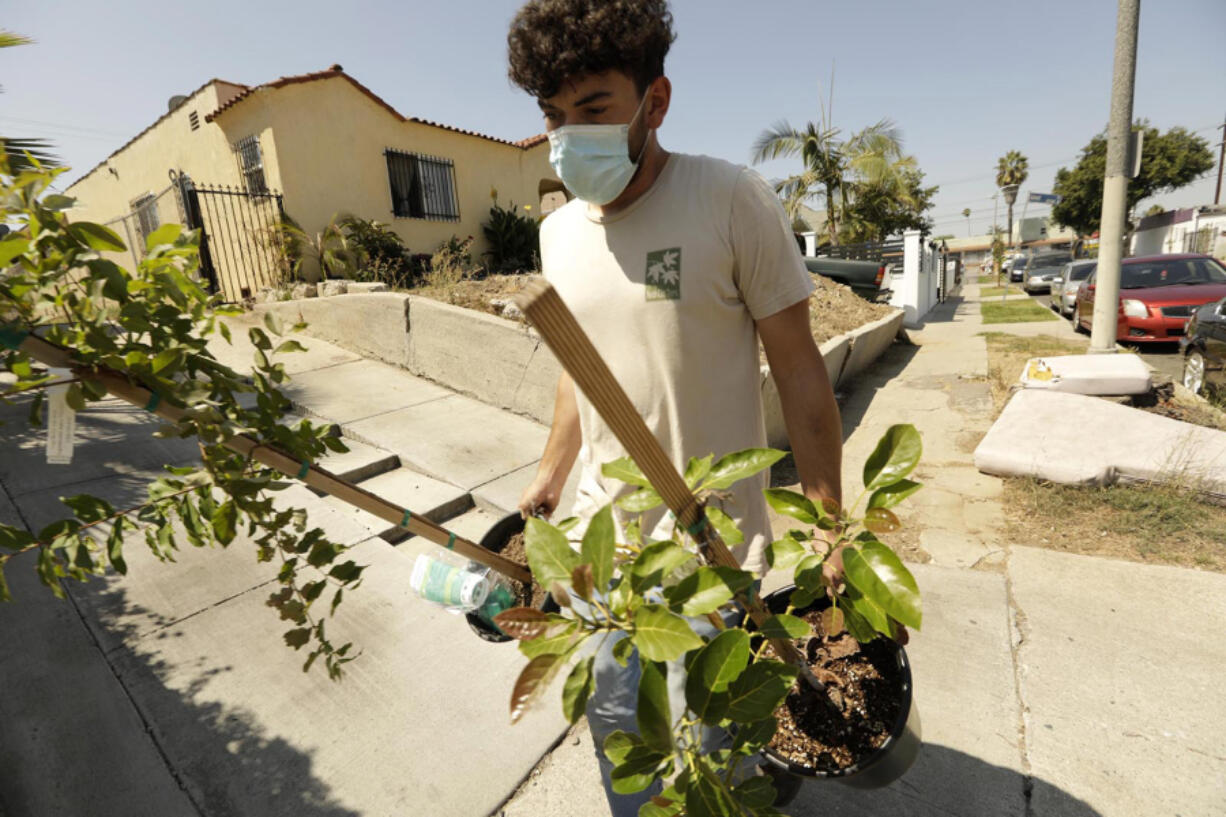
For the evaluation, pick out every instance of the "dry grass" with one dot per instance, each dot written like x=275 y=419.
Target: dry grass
x=1007 y=355
x=1157 y=524
x=996 y=292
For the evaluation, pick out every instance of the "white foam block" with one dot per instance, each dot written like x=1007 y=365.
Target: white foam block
x=1088 y=374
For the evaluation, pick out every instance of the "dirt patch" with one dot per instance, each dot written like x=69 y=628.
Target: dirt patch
x=1156 y=524
x=527 y=594
x=865 y=685
x=834 y=309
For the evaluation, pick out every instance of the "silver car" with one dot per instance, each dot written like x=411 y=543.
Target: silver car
x=1065 y=285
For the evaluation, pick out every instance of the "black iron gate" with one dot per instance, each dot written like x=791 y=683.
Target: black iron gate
x=241 y=248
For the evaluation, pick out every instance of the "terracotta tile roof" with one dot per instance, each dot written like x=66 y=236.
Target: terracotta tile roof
x=155 y=124
x=337 y=71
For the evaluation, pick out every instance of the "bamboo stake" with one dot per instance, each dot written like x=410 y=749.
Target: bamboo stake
x=320 y=478
x=574 y=350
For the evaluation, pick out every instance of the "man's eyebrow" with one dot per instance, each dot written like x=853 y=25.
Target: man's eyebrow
x=592 y=98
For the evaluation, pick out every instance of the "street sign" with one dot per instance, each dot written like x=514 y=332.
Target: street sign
x=1043 y=198
x=1135 y=144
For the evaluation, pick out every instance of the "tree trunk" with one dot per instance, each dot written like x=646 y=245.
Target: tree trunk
x=831 y=226
x=1010 y=244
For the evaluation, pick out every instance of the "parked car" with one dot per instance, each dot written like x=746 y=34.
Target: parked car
x=1065 y=285
x=1204 y=348
x=1012 y=265
x=864 y=277
x=1158 y=294
x=1041 y=268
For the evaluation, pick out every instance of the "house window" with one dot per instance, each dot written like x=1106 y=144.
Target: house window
x=146 y=212
x=193 y=119
x=422 y=186
x=251 y=164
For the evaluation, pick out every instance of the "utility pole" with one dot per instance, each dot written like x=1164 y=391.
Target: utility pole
x=1115 y=180
x=1221 y=158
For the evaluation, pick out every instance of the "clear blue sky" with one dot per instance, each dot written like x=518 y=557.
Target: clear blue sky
x=965 y=81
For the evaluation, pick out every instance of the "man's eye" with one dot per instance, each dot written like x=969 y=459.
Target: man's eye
x=595 y=111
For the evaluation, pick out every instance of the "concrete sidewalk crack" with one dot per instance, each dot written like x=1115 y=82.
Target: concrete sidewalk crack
x=1019 y=634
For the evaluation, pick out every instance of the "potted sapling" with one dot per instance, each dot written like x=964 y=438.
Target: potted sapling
x=654 y=594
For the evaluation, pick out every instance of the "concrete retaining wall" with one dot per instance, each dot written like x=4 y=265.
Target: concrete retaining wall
x=845 y=357
x=505 y=363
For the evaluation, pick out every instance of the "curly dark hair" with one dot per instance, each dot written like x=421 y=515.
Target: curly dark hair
x=551 y=41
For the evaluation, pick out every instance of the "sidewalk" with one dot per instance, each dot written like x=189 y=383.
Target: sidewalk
x=169 y=691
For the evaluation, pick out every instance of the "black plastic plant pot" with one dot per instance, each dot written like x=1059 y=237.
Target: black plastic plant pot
x=495 y=539
x=893 y=758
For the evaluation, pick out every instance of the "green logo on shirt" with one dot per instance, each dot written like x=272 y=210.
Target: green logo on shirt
x=664 y=275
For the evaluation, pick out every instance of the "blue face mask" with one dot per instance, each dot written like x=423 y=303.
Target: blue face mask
x=593 y=161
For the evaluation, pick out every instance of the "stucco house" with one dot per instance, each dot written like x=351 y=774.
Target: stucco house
x=316 y=144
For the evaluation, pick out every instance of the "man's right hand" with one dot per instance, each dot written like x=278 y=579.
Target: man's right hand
x=541 y=498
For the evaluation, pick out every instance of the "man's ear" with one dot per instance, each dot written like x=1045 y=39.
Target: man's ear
x=659 y=93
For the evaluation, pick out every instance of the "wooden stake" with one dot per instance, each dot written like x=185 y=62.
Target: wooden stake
x=574 y=350
x=320 y=478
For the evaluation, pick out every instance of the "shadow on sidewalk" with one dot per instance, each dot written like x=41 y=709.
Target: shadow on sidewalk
x=943 y=783
x=222 y=756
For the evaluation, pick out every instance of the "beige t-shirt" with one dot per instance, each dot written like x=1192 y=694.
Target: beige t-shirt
x=668 y=290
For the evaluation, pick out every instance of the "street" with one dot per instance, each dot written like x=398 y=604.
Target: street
x=1163 y=357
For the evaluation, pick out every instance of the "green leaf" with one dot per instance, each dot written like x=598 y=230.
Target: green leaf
x=697 y=469
x=706 y=797
x=707 y=589
x=751 y=737
x=808 y=574
x=12 y=247
x=599 y=544
x=88 y=508
x=623 y=651
x=259 y=340
x=790 y=503
x=725 y=527
x=732 y=468
x=346 y=571
x=114 y=547
x=756 y=792
x=577 y=690
x=857 y=625
x=626 y=470
x=878 y=573
x=785 y=553
x=75 y=397
x=652 y=714
x=551 y=643
x=225 y=522
x=289 y=346
x=661 y=635
x=896 y=455
x=891 y=495
x=642 y=500
x=95 y=236
x=657 y=561
x=759 y=690
x=715 y=667
x=5 y=595
x=785 y=626
x=617 y=746
x=550 y=555
x=867 y=612
x=637 y=771
x=166 y=234
x=273 y=323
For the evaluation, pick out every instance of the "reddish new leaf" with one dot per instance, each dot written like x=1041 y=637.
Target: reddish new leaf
x=531 y=683
x=524 y=623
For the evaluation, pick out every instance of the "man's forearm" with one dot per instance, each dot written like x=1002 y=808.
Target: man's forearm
x=565 y=437
x=815 y=429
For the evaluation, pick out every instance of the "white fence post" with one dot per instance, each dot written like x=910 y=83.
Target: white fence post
x=907 y=289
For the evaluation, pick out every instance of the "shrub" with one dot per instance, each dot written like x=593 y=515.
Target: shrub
x=514 y=240
x=384 y=255
x=451 y=263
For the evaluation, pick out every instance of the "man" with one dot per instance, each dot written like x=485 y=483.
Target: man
x=675 y=266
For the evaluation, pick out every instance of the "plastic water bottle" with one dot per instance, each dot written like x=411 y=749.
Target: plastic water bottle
x=500 y=598
x=452 y=587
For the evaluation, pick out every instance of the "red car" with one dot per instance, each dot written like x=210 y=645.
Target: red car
x=1158 y=293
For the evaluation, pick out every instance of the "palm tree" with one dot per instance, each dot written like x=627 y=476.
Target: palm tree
x=834 y=167
x=15 y=149
x=1011 y=170
x=966 y=214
